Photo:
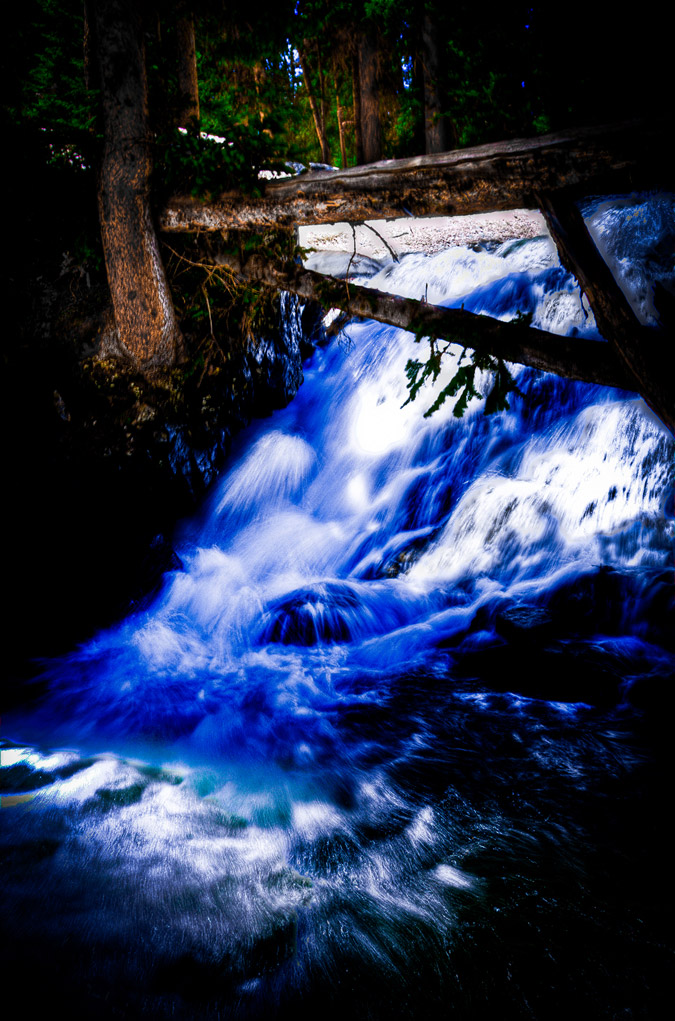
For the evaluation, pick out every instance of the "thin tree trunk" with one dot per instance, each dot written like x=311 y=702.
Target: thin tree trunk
x=341 y=126
x=319 y=123
x=258 y=78
x=417 y=89
x=188 y=85
x=144 y=313
x=91 y=78
x=356 y=100
x=324 y=119
x=371 y=128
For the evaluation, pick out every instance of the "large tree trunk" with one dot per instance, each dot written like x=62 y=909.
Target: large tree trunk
x=439 y=134
x=188 y=85
x=371 y=129
x=142 y=304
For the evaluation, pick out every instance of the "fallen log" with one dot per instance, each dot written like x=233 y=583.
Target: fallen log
x=641 y=350
x=586 y=360
x=498 y=176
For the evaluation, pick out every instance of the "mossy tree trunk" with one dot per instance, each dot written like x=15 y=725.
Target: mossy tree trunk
x=142 y=303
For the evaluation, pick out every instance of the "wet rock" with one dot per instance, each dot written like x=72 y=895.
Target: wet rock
x=290 y=885
x=229 y=820
x=653 y=693
x=590 y=602
x=313 y=329
x=117 y=797
x=23 y=777
x=28 y=852
x=525 y=624
x=273 y=947
x=309 y=617
x=160 y=775
x=275 y=361
x=556 y=672
x=71 y=768
x=159 y=559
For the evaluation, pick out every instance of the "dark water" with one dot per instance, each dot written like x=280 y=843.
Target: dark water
x=329 y=768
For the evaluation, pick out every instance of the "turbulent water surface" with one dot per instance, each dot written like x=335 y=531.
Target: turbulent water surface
x=392 y=740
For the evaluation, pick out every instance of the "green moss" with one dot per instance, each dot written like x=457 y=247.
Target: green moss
x=230 y=820
x=161 y=775
x=119 y=797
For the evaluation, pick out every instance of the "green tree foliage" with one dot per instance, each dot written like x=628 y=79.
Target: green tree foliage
x=45 y=66
x=507 y=69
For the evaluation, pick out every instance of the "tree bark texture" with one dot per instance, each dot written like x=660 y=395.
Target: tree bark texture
x=439 y=135
x=586 y=360
x=356 y=103
x=640 y=349
x=371 y=130
x=502 y=175
x=340 y=112
x=188 y=85
x=142 y=304
x=317 y=108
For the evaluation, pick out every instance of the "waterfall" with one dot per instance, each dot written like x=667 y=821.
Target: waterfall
x=364 y=742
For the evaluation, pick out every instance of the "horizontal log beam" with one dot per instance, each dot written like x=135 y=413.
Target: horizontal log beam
x=586 y=360
x=502 y=175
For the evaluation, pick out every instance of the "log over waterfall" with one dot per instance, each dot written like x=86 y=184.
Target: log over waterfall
x=588 y=361
x=547 y=172
x=502 y=175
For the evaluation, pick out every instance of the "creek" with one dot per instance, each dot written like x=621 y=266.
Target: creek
x=392 y=740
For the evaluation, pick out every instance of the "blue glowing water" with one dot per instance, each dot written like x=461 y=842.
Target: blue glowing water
x=332 y=771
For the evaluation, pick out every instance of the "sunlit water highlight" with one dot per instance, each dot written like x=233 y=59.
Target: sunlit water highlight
x=332 y=770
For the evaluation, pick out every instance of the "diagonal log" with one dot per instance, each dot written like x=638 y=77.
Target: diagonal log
x=586 y=360
x=486 y=178
x=641 y=350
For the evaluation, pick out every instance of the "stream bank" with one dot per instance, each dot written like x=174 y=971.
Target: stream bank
x=101 y=462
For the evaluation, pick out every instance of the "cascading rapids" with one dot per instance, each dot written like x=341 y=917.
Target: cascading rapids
x=353 y=535
x=342 y=769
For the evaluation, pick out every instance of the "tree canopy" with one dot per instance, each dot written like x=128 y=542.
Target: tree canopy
x=136 y=91
x=277 y=82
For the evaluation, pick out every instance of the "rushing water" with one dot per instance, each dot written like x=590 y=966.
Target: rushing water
x=389 y=742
